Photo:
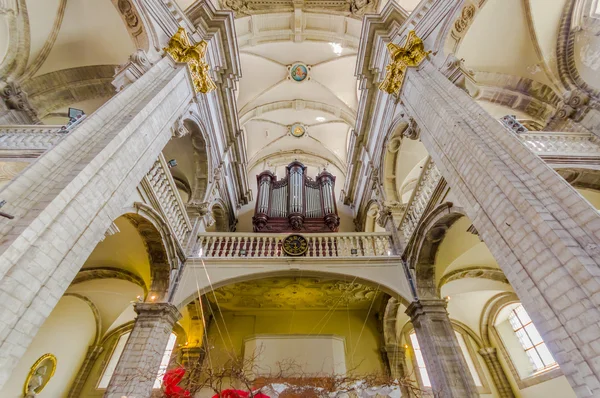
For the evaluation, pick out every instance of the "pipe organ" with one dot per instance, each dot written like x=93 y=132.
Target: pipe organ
x=296 y=202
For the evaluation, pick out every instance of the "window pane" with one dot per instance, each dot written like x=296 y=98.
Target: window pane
x=514 y=321
x=425 y=377
x=535 y=359
x=522 y=314
x=545 y=354
x=114 y=360
x=420 y=361
x=533 y=334
x=164 y=363
x=468 y=359
x=524 y=339
x=414 y=341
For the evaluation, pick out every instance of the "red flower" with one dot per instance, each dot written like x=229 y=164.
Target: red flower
x=170 y=380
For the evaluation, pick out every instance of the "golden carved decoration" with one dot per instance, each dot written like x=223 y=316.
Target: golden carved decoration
x=410 y=55
x=39 y=375
x=182 y=50
x=287 y=293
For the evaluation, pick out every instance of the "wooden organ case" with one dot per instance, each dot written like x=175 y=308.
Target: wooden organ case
x=296 y=202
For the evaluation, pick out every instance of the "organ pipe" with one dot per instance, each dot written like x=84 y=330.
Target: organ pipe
x=296 y=202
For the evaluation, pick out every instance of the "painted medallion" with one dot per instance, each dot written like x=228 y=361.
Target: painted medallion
x=297 y=130
x=299 y=72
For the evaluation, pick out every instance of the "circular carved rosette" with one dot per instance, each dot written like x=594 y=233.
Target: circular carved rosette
x=295 y=245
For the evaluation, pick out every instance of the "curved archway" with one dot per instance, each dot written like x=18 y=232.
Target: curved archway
x=200 y=278
x=161 y=261
x=428 y=237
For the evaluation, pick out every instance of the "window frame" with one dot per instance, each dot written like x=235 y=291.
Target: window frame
x=109 y=357
x=534 y=347
x=505 y=355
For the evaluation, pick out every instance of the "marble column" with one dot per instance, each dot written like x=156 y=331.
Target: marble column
x=446 y=365
x=490 y=356
x=84 y=371
x=544 y=235
x=138 y=367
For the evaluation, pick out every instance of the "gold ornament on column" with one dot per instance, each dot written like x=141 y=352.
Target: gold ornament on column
x=410 y=55
x=182 y=50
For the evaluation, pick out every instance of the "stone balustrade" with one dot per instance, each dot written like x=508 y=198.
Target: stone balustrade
x=428 y=181
x=165 y=192
x=241 y=245
x=34 y=137
x=561 y=144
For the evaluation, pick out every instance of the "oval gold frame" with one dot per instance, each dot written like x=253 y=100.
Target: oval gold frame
x=34 y=367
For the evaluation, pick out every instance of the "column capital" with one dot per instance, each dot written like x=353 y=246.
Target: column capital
x=427 y=306
x=165 y=311
x=487 y=351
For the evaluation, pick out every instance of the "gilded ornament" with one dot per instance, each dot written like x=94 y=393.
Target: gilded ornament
x=181 y=50
x=410 y=55
x=39 y=375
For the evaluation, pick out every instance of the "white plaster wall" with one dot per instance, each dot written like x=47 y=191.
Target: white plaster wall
x=67 y=333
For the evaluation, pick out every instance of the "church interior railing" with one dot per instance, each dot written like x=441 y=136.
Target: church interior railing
x=241 y=245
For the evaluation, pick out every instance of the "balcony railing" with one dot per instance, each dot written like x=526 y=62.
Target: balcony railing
x=31 y=137
x=242 y=245
x=165 y=192
x=428 y=181
x=565 y=144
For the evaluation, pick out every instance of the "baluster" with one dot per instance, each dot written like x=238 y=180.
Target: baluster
x=265 y=246
x=209 y=246
x=233 y=250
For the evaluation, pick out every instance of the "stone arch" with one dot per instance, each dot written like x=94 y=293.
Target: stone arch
x=426 y=240
x=479 y=272
x=95 y=312
x=219 y=214
x=197 y=282
x=201 y=148
x=109 y=273
x=370 y=216
x=390 y=152
x=160 y=247
x=491 y=310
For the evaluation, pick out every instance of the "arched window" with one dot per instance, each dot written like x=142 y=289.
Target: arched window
x=423 y=369
x=420 y=361
x=530 y=339
x=118 y=351
x=164 y=363
x=114 y=359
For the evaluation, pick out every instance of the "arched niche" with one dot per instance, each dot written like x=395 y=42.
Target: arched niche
x=67 y=333
x=190 y=151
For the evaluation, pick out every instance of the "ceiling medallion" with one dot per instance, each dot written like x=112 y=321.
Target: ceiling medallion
x=294 y=245
x=297 y=130
x=298 y=72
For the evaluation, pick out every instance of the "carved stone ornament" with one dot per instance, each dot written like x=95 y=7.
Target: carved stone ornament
x=409 y=55
x=179 y=130
x=466 y=15
x=15 y=98
x=360 y=7
x=181 y=50
x=413 y=131
x=238 y=6
x=126 y=9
